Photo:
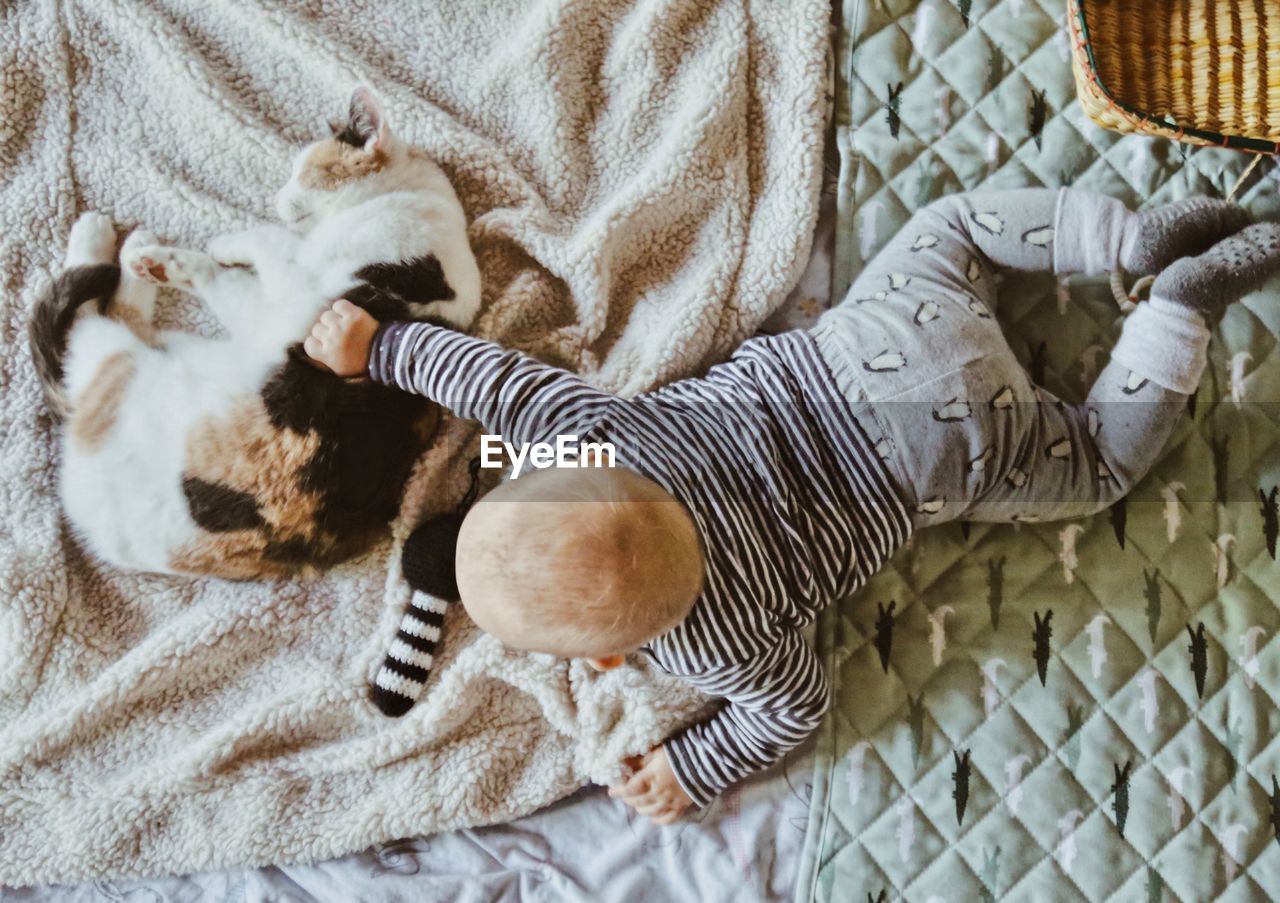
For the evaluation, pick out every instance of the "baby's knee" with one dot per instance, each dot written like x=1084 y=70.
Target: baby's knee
x=946 y=212
x=1116 y=479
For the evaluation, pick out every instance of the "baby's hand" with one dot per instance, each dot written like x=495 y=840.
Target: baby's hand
x=653 y=789
x=341 y=339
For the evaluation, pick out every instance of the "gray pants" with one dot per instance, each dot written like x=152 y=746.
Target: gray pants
x=956 y=417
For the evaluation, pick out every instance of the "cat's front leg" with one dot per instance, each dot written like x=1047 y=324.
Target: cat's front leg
x=231 y=293
x=251 y=247
x=458 y=312
x=138 y=293
x=181 y=268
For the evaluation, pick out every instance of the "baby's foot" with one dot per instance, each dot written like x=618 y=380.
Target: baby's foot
x=1155 y=238
x=92 y=240
x=167 y=266
x=1230 y=269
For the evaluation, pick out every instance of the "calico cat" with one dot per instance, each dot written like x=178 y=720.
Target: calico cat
x=237 y=457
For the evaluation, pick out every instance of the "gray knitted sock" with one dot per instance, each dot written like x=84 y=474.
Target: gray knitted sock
x=1233 y=267
x=1155 y=238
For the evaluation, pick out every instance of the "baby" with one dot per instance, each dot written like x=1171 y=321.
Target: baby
x=749 y=499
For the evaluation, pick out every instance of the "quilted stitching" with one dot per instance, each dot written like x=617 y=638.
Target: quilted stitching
x=964 y=116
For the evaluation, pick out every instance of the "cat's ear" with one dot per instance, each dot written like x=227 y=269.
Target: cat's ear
x=366 y=120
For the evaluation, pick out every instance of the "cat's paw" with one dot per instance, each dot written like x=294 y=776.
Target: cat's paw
x=92 y=240
x=166 y=266
x=147 y=261
x=138 y=238
x=138 y=293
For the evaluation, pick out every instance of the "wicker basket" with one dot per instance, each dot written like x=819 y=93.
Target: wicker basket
x=1192 y=70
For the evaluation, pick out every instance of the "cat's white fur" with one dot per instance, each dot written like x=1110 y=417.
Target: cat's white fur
x=124 y=497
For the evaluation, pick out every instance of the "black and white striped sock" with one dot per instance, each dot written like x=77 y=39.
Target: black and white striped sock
x=404 y=671
x=427 y=564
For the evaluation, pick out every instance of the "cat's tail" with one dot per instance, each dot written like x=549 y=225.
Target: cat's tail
x=427 y=563
x=89 y=274
x=54 y=316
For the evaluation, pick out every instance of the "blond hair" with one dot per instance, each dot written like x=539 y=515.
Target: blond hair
x=579 y=562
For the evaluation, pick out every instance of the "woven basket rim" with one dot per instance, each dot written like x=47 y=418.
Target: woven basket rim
x=1237 y=142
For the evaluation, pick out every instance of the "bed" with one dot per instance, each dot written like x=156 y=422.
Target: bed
x=949 y=772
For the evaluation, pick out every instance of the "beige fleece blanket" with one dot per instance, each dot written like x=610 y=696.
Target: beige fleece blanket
x=641 y=177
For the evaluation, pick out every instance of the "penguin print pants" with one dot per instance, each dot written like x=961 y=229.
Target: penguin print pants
x=917 y=347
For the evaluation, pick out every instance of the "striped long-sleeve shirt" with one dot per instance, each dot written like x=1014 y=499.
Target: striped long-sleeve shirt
x=794 y=508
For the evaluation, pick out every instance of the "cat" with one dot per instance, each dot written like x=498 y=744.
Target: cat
x=237 y=457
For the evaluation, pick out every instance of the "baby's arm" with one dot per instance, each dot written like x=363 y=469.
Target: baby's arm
x=509 y=393
x=773 y=702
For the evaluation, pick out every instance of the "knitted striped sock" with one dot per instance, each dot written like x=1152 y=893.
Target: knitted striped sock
x=404 y=671
x=427 y=564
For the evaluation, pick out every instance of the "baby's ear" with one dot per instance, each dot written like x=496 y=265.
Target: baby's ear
x=608 y=663
x=366 y=124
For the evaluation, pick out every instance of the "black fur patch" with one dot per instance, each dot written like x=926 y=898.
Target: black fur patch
x=387 y=290
x=219 y=508
x=347 y=134
x=381 y=306
x=367 y=445
x=367 y=442
x=418 y=280
x=358 y=128
x=295 y=552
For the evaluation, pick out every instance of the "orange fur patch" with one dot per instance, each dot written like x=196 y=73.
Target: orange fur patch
x=247 y=453
x=131 y=317
x=334 y=163
x=231 y=556
x=96 y=411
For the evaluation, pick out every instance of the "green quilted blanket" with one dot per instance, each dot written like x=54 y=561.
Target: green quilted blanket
x=1084 y=710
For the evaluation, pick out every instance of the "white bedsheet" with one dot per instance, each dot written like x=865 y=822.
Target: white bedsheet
x=588 y=848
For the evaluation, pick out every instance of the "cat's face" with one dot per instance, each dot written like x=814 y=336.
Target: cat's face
x=344 y=169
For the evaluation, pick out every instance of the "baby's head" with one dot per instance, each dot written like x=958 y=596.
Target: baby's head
x=580 y=563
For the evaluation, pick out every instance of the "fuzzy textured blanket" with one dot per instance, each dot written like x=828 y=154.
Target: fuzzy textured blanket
x=642 y=181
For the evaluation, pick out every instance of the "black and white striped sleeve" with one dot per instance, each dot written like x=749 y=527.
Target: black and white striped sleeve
x=510 y=394
x=773 y=702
